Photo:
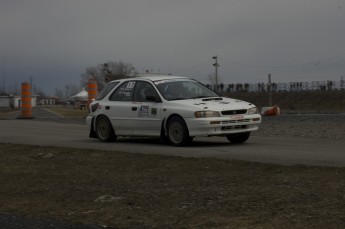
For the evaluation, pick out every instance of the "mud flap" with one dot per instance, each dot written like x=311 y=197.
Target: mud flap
x=92 y=133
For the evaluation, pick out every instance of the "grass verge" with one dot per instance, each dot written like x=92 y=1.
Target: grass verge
x=143 y=191
x=68 y=112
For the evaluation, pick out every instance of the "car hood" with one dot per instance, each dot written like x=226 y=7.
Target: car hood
x=215 y=103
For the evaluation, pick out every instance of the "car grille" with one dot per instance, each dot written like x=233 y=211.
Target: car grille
x=236 y=121
x=224 y=128
x=234 y=112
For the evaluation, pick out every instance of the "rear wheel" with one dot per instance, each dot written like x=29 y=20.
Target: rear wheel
x=104 y=130
x=238 y=138
x=177 y=131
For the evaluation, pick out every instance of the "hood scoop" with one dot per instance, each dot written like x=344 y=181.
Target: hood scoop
x=213 y=98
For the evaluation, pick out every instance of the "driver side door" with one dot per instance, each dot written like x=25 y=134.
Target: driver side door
x=131 y=113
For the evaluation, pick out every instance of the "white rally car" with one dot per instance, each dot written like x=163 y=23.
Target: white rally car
x=171 y=107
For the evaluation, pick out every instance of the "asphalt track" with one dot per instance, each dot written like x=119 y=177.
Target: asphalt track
x=275 y=150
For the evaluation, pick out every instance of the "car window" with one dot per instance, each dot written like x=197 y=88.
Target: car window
x=124 y=92
x=106 y=90
x=142 y=90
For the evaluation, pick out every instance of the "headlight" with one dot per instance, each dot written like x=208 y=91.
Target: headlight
x=253 y=110
x=206 y=114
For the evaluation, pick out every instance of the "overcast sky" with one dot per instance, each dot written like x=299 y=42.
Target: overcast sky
x=53 y=41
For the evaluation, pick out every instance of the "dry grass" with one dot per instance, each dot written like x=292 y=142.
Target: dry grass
x=153 y=191
x=299 y=101
x=68 y=111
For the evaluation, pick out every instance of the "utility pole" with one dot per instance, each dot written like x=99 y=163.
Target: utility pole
x=3 y=74
x=106 y=71
x=66 y=86
x=269 y=90
x=31 y=84
x=216 y=65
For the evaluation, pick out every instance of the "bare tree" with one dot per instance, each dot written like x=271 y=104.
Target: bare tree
x=59 y=92
x=216 y=88
x=93 y=73
x=67 y=91
x=71 y=89
x=107 y=72
x=212 y=80
x=119 y=70
x=40 y=92
x=221 y=87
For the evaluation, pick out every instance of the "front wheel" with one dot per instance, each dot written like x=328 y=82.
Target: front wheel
x=104 y=130
x=177 y=131
x=238 y=138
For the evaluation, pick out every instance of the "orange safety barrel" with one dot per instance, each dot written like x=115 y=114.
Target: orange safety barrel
x=26 y=101
x=92 y=90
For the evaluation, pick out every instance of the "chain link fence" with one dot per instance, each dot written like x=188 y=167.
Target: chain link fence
x=293 y=97
x=291 y=86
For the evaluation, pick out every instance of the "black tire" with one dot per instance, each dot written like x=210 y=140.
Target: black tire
x=177 y=132
x=238 y=138
x=104 y=130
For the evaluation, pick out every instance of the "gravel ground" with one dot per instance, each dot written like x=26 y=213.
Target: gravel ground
x=306 y=126
x=17 y=222
x=291 y=126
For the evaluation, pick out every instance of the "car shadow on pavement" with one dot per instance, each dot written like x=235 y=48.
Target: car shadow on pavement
x=197 y=142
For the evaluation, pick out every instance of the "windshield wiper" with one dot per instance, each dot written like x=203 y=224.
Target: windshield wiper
x=181 y=98
x=212 y=98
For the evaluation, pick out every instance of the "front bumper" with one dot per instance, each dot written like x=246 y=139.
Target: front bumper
x=221 y=126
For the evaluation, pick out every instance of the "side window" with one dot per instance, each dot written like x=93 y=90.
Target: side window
x=142 y=90
x=124 y=92
x=106 y=90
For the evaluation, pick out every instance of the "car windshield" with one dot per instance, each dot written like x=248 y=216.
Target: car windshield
x=183 y=89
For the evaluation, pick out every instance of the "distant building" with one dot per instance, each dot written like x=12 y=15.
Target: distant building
x=48 y=100
x=82 y=96
x=10 y=101
x=80 y=99
x=6 y=100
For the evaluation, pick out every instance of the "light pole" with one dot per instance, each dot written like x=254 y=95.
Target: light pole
x=216 y=65
x=106 y=71
x=269 y=89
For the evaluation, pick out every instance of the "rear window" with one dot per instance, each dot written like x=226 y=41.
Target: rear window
x=106 y=90
x=124 y=92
